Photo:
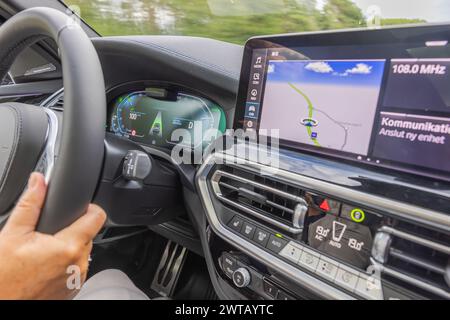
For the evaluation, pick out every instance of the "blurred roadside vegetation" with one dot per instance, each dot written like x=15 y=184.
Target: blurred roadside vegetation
x=228 y=20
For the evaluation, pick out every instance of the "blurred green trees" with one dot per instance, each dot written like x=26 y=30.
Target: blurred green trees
x=228 y=20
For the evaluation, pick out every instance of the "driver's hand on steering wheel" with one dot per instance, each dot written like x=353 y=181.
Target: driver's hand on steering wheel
x=35 y=265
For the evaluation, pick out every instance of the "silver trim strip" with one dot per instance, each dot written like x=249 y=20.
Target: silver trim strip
x=424 y=242
x=46 y=161
x=53 y=97
x=11 y=77
x=302 y=278
x=398 y=254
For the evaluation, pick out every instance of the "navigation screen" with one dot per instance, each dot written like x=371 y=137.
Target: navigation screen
x=388 y=110
x=330 y=104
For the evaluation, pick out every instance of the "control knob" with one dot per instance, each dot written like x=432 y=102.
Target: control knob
x=241 y=277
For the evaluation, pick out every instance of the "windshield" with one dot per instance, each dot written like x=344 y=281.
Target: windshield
x=237 y=20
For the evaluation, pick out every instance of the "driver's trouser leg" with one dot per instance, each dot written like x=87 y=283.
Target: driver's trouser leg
x=110 y=284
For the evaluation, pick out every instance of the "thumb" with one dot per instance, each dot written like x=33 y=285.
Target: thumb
x=25 y=215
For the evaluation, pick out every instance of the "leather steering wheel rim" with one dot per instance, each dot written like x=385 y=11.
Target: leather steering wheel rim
x=79 y=158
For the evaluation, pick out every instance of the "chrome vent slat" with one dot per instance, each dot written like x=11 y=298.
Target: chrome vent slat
x=416 y=261
x=421 y=241
x=229 y=186
x=276 y=205
x=259 y=215
x=257 y=185
x=258 y=196
x=413 y=281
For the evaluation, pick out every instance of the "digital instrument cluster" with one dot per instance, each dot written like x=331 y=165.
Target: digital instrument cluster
x=165 y=118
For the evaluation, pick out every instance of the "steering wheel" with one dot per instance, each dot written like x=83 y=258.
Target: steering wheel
x=68 y=150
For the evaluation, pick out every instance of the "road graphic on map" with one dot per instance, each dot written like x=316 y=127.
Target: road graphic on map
x=311 y=110
x=326 y=104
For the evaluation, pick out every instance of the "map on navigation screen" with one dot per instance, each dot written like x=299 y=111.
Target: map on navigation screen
x=329 y=104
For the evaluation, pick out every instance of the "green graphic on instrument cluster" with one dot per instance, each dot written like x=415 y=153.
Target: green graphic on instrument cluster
x=153 y=116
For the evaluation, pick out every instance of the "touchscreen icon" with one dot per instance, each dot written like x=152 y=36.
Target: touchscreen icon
x=338 y=231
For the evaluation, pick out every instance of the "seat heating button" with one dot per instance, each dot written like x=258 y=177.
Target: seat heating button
x=248 y=230
x=236 y=224
x=261 y=237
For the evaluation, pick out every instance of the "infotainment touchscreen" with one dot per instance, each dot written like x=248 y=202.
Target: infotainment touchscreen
x=380 y=97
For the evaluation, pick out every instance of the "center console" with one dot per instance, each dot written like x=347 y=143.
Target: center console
x=344 y=190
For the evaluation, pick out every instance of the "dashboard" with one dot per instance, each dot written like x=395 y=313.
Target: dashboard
x=165 y=116
x=342 y=211
x=343 y=188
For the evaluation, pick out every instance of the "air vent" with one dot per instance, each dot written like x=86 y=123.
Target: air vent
x=415 y=257
x=274 y=202
x=57 y=103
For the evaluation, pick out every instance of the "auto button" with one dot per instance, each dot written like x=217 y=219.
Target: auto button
x=276 y=244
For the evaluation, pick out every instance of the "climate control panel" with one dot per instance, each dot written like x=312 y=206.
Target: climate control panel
x=332 y=240
x=344 y=275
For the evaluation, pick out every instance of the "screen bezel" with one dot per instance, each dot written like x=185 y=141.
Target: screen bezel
x=356 y=37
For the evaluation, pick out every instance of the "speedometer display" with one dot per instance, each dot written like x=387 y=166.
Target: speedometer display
x=167 y=120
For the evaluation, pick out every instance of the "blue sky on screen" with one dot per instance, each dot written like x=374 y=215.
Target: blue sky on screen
x=354 y=73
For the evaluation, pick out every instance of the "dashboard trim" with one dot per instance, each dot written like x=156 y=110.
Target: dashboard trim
x=302 y=278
